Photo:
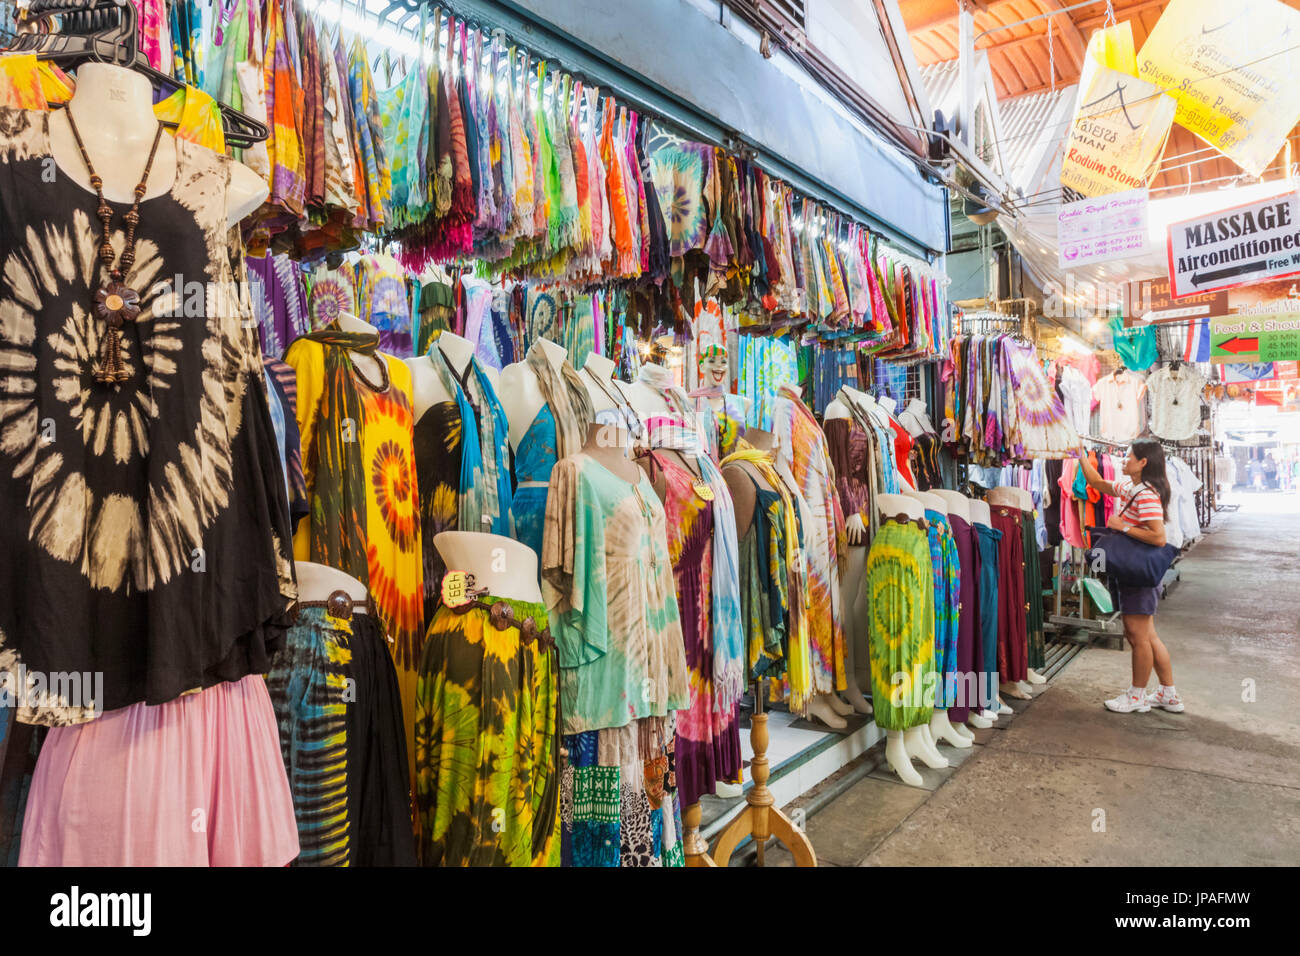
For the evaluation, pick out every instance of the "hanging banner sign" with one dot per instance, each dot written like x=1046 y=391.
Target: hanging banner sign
x=1101 y=229
x=1229 y=66
x=1239 y=246
x=1120 y=122
x=1150 y=301
x=1248 y=340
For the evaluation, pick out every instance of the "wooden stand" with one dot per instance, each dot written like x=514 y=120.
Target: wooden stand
x=694 y=845
x=761 y=819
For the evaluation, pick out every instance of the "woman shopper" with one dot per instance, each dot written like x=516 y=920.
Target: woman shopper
x=1142 y=494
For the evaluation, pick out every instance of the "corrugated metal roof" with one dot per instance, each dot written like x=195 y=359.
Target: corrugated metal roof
x=941 y=84
x=1033 y=127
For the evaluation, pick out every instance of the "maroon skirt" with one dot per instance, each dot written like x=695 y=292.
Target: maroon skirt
x=1013 y=610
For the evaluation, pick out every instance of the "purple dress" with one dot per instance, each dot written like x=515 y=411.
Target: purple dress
x=967 y=621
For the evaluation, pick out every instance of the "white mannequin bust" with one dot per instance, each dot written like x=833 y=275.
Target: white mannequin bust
x=980 y=513
x=928 y=500
x=916 y=419
x=1026 y=500
x=113 y=107
x=427 y=386
x=369 y=364
x=891 y=505
x=507 y=568
x=316 y=582
x=598 y=378
x=521 y=396
x=1004 y=496
x=954 y=502
x=647 y=402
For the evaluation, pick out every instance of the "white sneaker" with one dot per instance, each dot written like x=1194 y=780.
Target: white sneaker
x=1172 y=702
x=1127 y=704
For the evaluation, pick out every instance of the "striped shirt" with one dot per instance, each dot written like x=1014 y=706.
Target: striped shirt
x=1145 y=502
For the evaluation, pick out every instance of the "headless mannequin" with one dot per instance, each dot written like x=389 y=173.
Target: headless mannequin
x=505 y=567
x=940 y=727
x=902 y=745
x=113 y=107
x=316 y=582
x=853 y=590
x=916 y=419
x=650 y=403
x=521 y=396
x=957 y=504
x=742 y=490
x=981 y=514
x=427 y=386
x=611 y=446
x=370 y=365
x=598 y=371
x=1006 y=496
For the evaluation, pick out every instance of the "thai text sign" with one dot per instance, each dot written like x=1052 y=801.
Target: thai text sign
x=1235 y=247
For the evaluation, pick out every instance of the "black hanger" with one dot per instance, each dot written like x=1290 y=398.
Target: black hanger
x=102 y=31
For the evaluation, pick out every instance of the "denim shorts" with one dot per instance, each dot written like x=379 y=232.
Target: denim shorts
x=1138 y=600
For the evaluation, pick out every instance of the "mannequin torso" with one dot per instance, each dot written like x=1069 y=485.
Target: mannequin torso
x=427 y=386
x=650 y=403
x=371 y=366
x=316 y=582
x=929 y=501
x=113 y=107
x=980 y=513
x=738 y=476
x=521 y=396
x=505 y=567
x=891 y=505
x=1004 y=497
x=954 y=502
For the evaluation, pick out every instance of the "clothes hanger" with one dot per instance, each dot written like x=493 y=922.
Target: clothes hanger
x=114 y=40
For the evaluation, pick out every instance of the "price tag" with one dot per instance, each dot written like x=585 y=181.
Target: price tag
x=456 y=586
x=704 y=491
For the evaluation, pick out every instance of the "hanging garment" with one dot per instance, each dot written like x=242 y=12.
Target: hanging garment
x=312 y=682
x=1013 y=638
x=1175 y=402
x=483 y=493
x=100 y=536
x=965 y=686
x=608 y=583
x=947 y=598
x=279 y=301
x=708 y=736
x=900 y=626
x=617 y=803
x=282 y=394
x=804 y=450
x=727 y=637
x=487 y=737
x=1136 y=346
x=990 y=574
x=1076 y=395
x=1037 y=648
x=785 y=554
x=1120 y=396
x=365 y=518
x=1041 y=428
x=438 y=452
x=125 y=790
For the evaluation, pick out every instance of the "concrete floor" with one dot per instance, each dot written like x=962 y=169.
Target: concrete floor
x=1216 y=785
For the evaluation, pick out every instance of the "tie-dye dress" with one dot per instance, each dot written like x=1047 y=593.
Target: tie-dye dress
x=804 y=450
x=900 y=625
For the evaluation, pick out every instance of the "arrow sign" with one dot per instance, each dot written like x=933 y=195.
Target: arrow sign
x=1236 y=345
x=1242 y=245
x=1203 y=278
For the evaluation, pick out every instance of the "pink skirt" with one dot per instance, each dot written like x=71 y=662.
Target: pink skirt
x=197 y=781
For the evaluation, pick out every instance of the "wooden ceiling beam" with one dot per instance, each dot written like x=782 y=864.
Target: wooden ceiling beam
x=1121 y=14
x=939 y=21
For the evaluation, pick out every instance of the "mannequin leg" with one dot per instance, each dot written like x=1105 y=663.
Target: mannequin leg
x=820 y=709
x=852 y=591
x=942 y=729
x=1035 y=677
x=898 y=759
x=914 y=738
x=837 y=704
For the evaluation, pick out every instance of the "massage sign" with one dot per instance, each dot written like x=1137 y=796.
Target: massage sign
x=1239 y=246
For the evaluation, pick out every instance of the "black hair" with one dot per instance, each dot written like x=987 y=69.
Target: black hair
x=1153 y=472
